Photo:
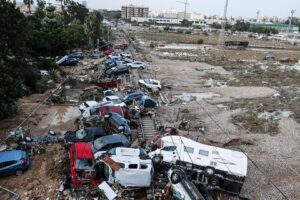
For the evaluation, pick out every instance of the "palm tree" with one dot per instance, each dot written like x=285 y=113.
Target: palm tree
x=93 y=27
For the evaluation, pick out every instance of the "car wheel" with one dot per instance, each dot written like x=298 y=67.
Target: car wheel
x=141 y=68
x=175 y=177
x=157 y=159
x=19 y=172
x=209 y=171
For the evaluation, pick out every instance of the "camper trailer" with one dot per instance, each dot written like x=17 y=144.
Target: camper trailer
x=209 y=167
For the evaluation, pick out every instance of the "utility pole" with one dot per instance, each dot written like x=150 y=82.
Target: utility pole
x=185 y=7
x=291 y=18
x=257 y=16
x=224 y=20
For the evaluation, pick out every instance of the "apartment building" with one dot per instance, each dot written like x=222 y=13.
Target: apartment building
x=134 y=11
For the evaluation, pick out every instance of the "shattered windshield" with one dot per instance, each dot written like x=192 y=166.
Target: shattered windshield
x=86 y=164
x=80 y=134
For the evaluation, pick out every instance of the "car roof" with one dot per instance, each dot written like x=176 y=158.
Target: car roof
x=111 y=139
x=10 y=155
x=134 y=93
x=112 y=97
x=83 y=150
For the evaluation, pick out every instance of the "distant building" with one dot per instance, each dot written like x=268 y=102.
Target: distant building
x=134 y=11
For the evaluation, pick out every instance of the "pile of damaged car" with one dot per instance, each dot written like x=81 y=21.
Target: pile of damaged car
x=121 y=148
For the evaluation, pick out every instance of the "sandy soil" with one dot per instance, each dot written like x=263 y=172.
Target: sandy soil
x=276 y=157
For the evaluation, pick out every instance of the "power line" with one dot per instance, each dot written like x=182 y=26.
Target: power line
x=252 y=161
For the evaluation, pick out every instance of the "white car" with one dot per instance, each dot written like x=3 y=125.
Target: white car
x=150 y=84
x=135 y=167
x=136 y=65
x=88 y=104
x=114 y=100
x=126 y=55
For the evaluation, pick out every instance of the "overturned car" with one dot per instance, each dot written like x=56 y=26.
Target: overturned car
x=127 y=166
x=209 y=168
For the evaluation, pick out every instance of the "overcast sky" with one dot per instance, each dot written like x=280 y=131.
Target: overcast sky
x=244 y=8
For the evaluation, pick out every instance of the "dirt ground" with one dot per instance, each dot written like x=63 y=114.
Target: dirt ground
x=273 y=169
x=45 y=175
x=205 y=95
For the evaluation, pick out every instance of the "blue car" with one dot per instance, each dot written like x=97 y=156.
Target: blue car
x=112 y=60
x=147 y=102
x=13 y=162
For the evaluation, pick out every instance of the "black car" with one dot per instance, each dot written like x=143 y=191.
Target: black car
x=77 y=55
x=84 y=135
x=108 y=142
x=118 y=124
x=132 y=96
x=66 y=61
x=115 y=71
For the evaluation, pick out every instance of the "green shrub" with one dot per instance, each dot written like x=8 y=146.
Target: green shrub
x=200 y=41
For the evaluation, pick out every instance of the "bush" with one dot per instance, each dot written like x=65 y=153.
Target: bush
x=188 y=32
x=152 y=45
x=179 y=31
x=200 y=41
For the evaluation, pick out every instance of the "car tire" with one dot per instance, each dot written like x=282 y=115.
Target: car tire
x=19 y=172
x=209 y=174
x=141 y=68
x=175 y=177
x=157 y=159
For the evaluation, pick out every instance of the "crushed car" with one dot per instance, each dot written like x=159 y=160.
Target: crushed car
x=105 y=143
x=127 y=166
x=210 y=168
x=84 y=135
x=82 y=164
x=118 y=124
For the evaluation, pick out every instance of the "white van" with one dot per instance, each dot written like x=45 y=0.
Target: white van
x=135 y=167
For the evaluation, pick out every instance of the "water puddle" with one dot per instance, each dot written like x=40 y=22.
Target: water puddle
x=196 y=96
x=65 y=114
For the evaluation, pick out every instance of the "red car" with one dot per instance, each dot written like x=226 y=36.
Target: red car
x=154 y=142
x=109 y=83
x=81 y=164
x=117 y=109
x=108 y=52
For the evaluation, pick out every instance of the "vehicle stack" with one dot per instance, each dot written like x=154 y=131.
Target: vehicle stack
x=110 y=150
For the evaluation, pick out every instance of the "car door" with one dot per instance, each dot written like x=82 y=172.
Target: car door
x=169 y=154
x=9 y=167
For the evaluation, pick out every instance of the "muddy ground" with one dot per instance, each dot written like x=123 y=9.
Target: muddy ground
x=47 y=171
x=235 y=102
x=207 y=89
